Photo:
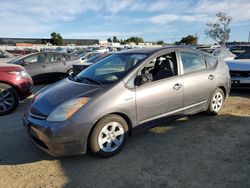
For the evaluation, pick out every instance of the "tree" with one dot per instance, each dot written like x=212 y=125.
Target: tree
x=109 y=39
x=115 y=39
x=220 y=30
x=136 y=40
x=56 y=39
x=188 y=40
x=160 y=42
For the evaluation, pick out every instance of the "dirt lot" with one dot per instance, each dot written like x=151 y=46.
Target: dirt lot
x=198 y=151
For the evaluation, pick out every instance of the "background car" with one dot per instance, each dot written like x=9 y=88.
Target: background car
x=124 y=93
x=84 y=56
x=239 y=49
x=78 y=67
x=15 y=85
x=46 y=66
x=240 y=70
x=6 y=56
x=24 y=51
x=222 y=53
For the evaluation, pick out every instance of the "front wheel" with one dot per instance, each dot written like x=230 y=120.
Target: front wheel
x=109 y=136
x=216 y=102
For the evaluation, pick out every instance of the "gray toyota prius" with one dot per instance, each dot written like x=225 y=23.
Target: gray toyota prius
x=121 y=94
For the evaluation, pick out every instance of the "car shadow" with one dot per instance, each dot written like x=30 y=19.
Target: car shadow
x=193 y=151
x=240 y=93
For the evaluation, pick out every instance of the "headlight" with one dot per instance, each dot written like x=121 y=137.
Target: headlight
x=67 y=109
x=22 y=73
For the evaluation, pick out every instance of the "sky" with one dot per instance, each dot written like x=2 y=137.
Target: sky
x=167 y=20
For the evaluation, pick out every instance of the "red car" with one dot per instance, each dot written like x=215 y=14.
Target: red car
x=15 y=85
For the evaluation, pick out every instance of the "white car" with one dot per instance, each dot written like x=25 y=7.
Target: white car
x=224 y=54
x=240 y=71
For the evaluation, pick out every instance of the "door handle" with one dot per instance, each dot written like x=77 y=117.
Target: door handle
x=177 y=86
x=211 y=77
x=43 y=66
x=64 y=63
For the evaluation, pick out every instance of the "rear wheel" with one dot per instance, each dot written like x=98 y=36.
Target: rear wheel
x=9 y=99
x=109 y=136
x=216 y=102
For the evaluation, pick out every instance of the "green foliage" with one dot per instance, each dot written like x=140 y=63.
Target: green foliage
x=115 y=39
x=136 y=40
x=220 y=30
x=188 y=40
x=160 y=42
x=109 y=39
x=56 y=39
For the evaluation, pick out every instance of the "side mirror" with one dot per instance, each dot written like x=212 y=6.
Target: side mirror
x=138 y=80
x=23 y=63
x=143 y=79
x=72 y=75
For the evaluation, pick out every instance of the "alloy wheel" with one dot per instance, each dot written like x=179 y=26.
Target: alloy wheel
x=111 y=137
x=7 y=100
x=217 y=101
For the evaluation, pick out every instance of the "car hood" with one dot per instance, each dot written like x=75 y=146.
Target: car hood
x=240 y=65
x=49 y=98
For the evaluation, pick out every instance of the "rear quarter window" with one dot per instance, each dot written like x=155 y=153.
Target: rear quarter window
x=192 y=61
x=211 y=62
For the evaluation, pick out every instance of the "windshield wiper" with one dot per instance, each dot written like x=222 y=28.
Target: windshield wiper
x=89 y=79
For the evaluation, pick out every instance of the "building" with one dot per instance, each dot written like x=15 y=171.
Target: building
x=77 y=42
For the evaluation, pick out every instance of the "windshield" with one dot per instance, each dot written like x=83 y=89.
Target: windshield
x=111 y=68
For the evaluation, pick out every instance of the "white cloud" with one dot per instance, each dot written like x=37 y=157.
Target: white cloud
x=239 y=10
x=29 y=17
x=167 y=18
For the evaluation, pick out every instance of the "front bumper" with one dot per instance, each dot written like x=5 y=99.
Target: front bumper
x=54 y=138
x=240 y=82
x=25 y=88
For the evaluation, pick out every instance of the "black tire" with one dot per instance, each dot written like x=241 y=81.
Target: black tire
x=97 y=131
x=9 y=103
x=213 y=108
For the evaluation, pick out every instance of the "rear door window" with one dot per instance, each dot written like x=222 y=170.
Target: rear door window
x=38 y=58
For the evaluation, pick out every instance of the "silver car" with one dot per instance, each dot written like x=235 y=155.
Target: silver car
x=124 y=93
x=240 y=71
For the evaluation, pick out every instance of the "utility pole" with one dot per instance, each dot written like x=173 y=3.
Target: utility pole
x=249 y=37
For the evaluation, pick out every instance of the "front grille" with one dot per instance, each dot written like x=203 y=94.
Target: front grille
x=244 y=74
x=39 y=142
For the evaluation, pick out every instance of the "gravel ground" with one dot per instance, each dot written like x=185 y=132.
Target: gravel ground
x=197 y=151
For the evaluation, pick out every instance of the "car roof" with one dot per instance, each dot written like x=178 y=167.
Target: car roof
x=151 y=51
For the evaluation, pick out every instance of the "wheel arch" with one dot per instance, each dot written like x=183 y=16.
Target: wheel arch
x=13 y=86
x=224 y=91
